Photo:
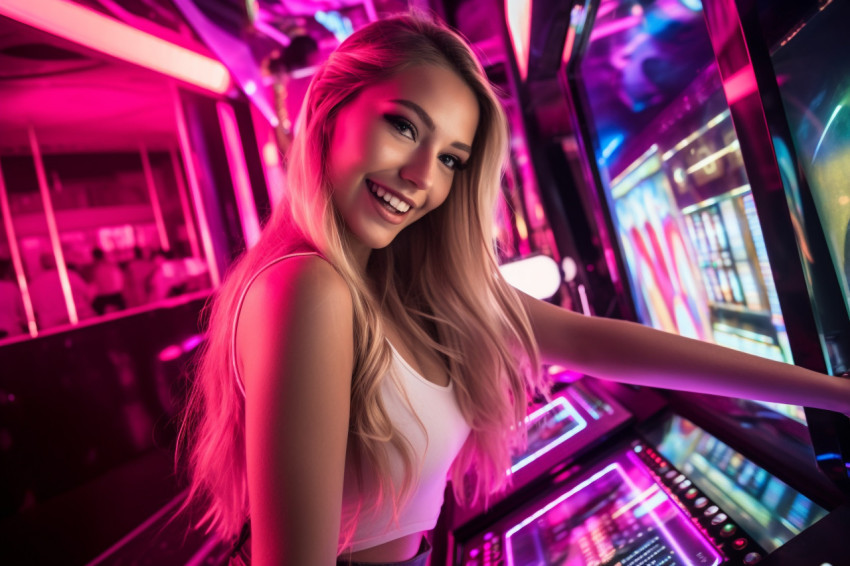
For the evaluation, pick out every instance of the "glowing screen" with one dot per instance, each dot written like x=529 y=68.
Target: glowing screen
x=619 y=515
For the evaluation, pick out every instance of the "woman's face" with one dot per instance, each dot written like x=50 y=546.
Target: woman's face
x=396 y=148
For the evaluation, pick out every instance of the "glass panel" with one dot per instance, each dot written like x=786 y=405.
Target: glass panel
x=673 y=175
x=107 y=135
x=814 y=80
x=767 y=508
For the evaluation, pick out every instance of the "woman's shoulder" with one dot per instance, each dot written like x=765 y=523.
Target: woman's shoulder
x=303 y=278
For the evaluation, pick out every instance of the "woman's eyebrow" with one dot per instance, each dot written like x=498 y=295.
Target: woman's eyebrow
x=429 y=123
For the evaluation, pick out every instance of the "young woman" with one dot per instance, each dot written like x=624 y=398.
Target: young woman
x=367 y=348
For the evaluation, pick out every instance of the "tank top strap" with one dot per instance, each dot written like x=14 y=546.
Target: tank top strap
x=237 y=376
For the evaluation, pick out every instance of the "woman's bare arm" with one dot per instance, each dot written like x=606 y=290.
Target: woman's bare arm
x=631 y=353
x=295 y=348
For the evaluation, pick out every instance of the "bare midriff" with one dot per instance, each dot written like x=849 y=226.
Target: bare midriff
x=396 y=550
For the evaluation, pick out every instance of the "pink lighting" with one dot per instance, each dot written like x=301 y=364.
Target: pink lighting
x=15 y=252
x=52 y=228
x=624 y=495
x=740 y=85
x=558 y=411
x=239 y=174
x=518 y=14
x=117 y=39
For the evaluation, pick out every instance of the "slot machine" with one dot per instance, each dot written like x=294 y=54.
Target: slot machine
x=711 y=139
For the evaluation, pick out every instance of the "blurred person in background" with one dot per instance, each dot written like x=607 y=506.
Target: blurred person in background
x=48 y=299
x=107 y=284
x=138 y=275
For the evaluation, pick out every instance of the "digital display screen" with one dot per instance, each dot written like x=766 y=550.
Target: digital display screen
x=548 y=427
x=617 y=516
x=814 y=81
x=768 y=509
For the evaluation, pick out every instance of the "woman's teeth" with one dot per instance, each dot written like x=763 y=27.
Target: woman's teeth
x=398 y=205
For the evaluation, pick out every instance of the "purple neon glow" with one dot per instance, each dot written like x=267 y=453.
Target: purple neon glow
x=540 y=512
x=649 y=498
x=660 y=524
x=565 y=407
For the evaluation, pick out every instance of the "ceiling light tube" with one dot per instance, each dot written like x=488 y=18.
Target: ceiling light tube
x=117 y=39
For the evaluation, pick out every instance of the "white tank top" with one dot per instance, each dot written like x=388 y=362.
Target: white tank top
x=434 y=449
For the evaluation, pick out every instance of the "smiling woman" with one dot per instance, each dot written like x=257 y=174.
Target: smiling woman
x=344 y=366
x=367 y=348
x=394 y=158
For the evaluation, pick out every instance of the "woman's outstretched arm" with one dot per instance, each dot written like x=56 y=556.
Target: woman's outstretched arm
x=295 y=349
x=632 y=353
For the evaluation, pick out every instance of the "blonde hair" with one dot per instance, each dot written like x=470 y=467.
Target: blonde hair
x=438 y=280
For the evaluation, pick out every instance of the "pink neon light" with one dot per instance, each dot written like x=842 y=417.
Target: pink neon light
x=616 y=26
x=566 y=407
x=239 y=174
x=52 y=229
x=195 y=186
x=568 y=45
x=170 y=353
x=112 y=37
x=518 y=14
x=647 y=497
x=740 y=85
x=12 y=238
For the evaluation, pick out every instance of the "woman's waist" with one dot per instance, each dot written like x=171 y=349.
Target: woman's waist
x=402 y=550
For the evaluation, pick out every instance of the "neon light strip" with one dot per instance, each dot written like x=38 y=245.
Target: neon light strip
x=154 y=197
x=584 y=404
x=723 y=152
x=651 y=512
x=825 y=130
x=642 y=496
x=518 y=14
x=737 y=191
x=16 y=257
x=184 y=204
x=117 y=39
x=551 y=505
x=696 y=134
x=195 y=185
x=52 y=229
x=239 y=174
x=690 y=524
x=565 y=406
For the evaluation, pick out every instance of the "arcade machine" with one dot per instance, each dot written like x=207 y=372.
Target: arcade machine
x=671 y=100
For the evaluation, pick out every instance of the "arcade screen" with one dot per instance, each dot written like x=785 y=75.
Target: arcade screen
x=681 y=203
x=548 y=427
x=814 y=81
x=768 y=509
x=618 y=516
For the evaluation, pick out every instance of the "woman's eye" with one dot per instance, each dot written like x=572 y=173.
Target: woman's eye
x=451 y=162
x=403 y=126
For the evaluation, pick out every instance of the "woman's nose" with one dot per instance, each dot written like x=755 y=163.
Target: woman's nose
x=419 y=169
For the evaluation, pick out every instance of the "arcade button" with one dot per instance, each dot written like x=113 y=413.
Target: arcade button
x=691 y=493
x=728 y=530
x=684 y=485
x=711 y=510
x=752 y=558
x=701 y=502
x=680 y=478
x=740 y=543
x=719 y=518
x=671 y=474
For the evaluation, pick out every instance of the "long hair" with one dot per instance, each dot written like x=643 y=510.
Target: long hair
x=439 y=280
